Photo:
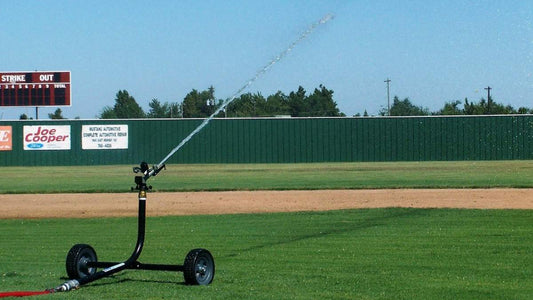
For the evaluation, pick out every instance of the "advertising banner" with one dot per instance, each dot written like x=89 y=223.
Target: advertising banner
x=102 y=137
x=6 y=143
x=46 y=137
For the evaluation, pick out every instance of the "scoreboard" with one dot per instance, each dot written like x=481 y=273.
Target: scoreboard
x=43 y=88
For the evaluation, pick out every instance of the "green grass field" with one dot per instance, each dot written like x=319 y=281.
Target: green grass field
x=352 y=254
x=349 y=254
x=476 y=174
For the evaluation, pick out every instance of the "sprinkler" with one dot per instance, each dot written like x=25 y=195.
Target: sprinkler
x=82 y=263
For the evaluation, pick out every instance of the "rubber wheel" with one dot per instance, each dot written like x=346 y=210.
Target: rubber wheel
x=77 y=259
x=199 y=267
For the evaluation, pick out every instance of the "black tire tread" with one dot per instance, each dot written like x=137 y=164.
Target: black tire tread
x=189 y=264
x=73 y=257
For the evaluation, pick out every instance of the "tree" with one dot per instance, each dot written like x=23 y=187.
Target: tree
x=321 y=104
x=200 y=104
x=451 y=108
x=191 y=105
x=474 y=109
x=277 y=104
x=296 y=102
x=404 y=108
x=57 y=115
x=524 y=110
x=175 y=110
x=500 y=109
x=248 y=105
x=125 y=108
x=483 y=108
x=163 y=110
x=108 y=113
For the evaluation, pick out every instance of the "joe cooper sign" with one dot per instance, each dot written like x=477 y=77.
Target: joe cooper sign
x=46 y=137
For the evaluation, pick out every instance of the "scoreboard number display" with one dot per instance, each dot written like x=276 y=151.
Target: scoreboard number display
x=43 y=88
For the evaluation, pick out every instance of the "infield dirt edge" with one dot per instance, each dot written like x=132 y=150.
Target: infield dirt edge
x=92 y=205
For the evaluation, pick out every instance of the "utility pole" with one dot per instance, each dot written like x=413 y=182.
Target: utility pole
x=488 y=88
x=388 y=95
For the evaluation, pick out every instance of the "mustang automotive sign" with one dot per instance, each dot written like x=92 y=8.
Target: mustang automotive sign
x=46 y=137
x=104 y=137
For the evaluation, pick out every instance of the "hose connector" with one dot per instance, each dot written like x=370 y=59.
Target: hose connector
x=67 y=286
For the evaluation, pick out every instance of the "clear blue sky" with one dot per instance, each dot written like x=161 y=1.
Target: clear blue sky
x=433 y=51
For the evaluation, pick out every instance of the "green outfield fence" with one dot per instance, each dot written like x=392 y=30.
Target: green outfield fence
x=269 y=140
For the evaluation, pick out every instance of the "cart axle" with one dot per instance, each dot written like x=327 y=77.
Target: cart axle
x=137 y=266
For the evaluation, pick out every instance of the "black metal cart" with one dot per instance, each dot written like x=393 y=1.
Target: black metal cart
x=82 y=262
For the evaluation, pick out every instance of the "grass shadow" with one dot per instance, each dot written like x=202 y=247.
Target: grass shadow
x=362 y=225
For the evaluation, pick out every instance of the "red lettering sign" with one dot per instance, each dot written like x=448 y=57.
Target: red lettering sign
x=46 y=137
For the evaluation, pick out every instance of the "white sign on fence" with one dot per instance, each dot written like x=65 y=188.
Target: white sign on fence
x=103 y=137
x=46 y=137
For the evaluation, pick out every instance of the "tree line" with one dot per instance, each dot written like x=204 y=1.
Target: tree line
x=202 y=104
x=299 y=103
x=484 y=107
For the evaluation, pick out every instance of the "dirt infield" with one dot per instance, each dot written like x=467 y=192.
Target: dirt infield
x=159 y=204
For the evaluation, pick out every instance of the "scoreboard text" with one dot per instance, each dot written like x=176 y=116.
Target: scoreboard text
x=50 y=88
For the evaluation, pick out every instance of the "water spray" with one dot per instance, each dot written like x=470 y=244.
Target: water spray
x=198 y=267
x=248 y=83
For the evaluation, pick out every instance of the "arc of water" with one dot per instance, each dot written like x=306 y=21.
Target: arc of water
x=259 y=73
